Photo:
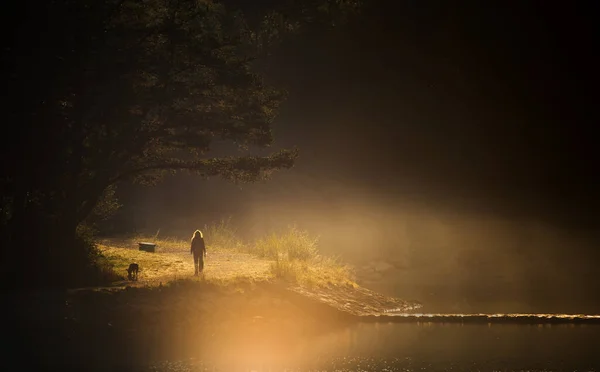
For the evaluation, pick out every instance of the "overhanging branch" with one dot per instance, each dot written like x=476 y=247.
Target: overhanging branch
x=245 y=169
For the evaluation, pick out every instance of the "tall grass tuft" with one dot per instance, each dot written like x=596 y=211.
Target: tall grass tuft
x=222 y=235
x=293 y=244
x=296 y=259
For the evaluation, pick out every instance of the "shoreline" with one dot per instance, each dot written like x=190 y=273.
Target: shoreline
x=334 y=303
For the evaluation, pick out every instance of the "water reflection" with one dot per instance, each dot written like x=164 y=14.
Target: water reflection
x=411 y=347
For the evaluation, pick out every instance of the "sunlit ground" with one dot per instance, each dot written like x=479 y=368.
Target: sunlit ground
x=230 y=258
x=172 y=264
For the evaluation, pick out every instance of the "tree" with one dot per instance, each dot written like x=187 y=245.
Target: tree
x=128 y=89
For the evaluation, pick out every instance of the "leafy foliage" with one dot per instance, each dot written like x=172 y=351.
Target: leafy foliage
x=129 y=90
x=142 y=88
x=107 y=205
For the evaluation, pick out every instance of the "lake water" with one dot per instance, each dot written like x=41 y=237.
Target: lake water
x=409 y=347
x=87 y=340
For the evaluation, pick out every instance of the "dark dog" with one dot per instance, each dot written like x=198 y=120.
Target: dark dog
x=132 y=271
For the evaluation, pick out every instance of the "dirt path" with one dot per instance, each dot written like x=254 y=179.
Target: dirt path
x=165 y=266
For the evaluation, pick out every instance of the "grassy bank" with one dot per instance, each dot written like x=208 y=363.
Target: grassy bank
x=290 y=259
x=291 y=255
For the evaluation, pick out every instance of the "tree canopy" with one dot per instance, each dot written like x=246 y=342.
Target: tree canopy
x=105 y=91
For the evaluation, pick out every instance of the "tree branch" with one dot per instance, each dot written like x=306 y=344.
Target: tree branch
x=244 y=169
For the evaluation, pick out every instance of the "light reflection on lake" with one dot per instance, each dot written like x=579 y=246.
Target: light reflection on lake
x=412 y=347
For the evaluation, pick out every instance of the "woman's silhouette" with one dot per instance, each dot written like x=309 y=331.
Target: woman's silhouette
x=199 y=251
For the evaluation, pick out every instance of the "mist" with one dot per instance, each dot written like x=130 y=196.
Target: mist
x=445 y=255
x=449 y=258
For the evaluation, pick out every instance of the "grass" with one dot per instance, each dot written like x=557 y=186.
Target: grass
x=153 y=266
x=317 y=271
x=292 y=244
x=291 y=255
x=296 y=259
x=222 y=235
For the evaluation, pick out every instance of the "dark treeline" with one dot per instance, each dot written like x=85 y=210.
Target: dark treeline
x=102 y=92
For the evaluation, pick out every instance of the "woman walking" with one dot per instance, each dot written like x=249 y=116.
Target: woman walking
x=199 y=251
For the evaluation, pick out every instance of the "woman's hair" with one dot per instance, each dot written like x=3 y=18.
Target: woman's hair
x=197 y=233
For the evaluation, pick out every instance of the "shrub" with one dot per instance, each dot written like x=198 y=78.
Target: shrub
x=90 y=266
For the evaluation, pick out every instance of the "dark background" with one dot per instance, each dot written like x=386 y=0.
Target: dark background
x=479 y=109
x=425 y=126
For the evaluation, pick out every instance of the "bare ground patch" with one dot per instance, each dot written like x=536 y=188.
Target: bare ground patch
x=161 y=267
